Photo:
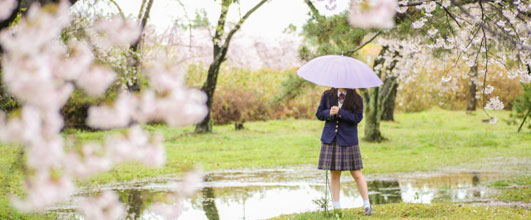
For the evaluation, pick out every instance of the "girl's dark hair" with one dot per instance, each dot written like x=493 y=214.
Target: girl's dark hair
x=353 y=101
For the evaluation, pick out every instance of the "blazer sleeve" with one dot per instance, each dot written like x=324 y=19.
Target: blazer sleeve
x=323 y=113
x=348 y=116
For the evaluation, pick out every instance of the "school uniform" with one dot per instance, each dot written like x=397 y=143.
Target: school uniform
x=339 y=149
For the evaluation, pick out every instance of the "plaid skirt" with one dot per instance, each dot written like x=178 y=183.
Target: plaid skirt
x=339 y=158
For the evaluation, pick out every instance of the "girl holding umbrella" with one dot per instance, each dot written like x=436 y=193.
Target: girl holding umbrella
x=341 y=108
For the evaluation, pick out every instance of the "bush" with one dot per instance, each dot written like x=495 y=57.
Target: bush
x=245 y=95
x=238 y=105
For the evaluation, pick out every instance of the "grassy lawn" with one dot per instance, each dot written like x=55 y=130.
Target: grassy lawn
x=418 y=211
x=417 y=142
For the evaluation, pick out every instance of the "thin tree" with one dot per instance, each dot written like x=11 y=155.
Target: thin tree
x=220 y=49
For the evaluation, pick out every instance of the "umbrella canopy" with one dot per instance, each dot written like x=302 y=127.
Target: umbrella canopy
x=339 y=72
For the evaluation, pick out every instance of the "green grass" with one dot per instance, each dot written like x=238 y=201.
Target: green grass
x=423 y=141
x=418 y=211
x=417 y=142
x=517 y=189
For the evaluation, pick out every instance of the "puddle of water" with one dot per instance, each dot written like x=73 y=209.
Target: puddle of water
x=262 y=194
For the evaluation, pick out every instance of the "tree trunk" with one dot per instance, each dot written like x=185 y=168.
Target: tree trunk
x=220 y=53
x=373 y=108
x=388 y=94
x=472 y=90
x=372 y=116
x=209 y=88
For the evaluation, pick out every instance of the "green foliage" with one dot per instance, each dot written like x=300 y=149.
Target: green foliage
x=330 y=35
x=521 y=114
x=200 y=20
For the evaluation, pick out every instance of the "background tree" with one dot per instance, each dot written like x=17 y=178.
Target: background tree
x=221 y=44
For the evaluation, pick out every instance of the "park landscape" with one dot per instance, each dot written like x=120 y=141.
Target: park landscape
x=105 y=115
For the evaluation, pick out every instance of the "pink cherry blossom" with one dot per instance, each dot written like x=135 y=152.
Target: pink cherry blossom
x=34 y=31
x=78 y=59
x=105 y=206
x=21 y=129
x=43 y=190
x=136 y=145
x=380 y=13
x=6 y=7
x=41 y=71
x=494 y=104
x=489 y=89
x=118 y=31
x=86 y=163
x=96 y=80
x=117 y=115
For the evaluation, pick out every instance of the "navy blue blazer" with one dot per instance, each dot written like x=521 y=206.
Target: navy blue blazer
x=343 y=126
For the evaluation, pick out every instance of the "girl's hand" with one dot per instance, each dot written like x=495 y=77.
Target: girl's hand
x=334 y=110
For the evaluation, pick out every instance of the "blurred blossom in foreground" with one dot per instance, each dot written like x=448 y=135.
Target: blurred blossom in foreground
x=117 y=31
x=43 y=189
x=6 y=7
x=173 y=208
x=105 y=206
x=372 y=13
x=41 y=71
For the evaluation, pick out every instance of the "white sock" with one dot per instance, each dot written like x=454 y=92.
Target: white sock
x=366 y=204
x=336 y=205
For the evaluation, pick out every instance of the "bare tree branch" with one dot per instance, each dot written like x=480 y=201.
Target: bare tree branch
x=350 y=52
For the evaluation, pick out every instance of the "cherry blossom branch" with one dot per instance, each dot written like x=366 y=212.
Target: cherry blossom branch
x=518 y=45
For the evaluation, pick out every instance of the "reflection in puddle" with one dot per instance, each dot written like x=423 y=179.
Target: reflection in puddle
x=261 y=194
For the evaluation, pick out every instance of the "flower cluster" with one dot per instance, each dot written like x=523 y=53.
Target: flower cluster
x=41 y=71
x=494 y=104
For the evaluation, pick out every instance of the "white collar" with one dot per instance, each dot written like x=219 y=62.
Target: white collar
x=339 y=93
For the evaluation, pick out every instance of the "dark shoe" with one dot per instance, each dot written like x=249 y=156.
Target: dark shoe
x=368 y=211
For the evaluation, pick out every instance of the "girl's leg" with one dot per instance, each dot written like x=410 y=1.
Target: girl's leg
x=334 y=184
x=362 y=184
